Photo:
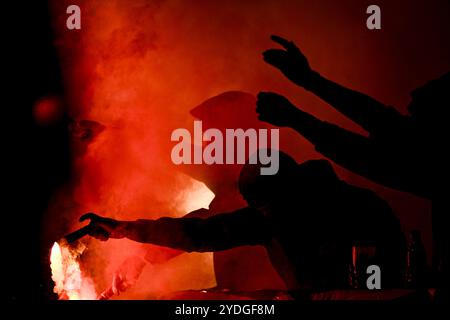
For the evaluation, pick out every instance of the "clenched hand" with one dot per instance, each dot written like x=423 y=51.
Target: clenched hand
x=275 y=109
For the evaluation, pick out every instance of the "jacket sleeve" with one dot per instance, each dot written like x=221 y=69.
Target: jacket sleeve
x=372 y=115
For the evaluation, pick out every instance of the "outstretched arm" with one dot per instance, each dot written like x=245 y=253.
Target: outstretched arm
x=350 y=150
x=370 y=114
x=220 y=232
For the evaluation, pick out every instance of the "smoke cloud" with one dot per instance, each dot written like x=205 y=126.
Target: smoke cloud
x=136 y=69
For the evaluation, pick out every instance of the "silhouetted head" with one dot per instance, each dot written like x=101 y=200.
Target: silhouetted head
x=430 y=100
x=292 y=180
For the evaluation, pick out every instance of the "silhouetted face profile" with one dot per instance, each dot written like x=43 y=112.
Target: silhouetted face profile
x=430 y=101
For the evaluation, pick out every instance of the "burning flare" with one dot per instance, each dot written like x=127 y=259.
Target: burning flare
x=70 y=282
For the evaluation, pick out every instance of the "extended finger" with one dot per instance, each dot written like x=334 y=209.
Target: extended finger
x=90 y=216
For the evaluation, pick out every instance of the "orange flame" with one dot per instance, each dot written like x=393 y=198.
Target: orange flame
x=70 y=282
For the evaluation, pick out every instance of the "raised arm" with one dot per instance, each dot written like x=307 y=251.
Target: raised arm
x=370 y=114
x=220 y=232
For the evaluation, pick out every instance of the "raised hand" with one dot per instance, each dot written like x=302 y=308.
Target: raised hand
x=290 y=61
x=275 y=109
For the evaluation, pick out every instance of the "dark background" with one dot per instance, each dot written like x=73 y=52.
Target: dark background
x=37 y=156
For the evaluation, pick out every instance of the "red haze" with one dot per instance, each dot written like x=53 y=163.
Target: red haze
x=138 y=67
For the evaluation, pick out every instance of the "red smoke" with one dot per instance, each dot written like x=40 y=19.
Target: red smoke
x=136 y=69
x=48 y=110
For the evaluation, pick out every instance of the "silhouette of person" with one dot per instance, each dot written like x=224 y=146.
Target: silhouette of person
x=401 y=152
x=305 y=216
x=245 y=268
x=393 y=137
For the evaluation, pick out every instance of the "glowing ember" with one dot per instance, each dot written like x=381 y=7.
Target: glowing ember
x=70 y=282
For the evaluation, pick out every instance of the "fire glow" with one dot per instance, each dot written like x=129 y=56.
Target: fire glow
x=70 y=282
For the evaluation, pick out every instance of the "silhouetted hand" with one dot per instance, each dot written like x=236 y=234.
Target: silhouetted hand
x=291 y=61
x=275 y=109
x=104 y=228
